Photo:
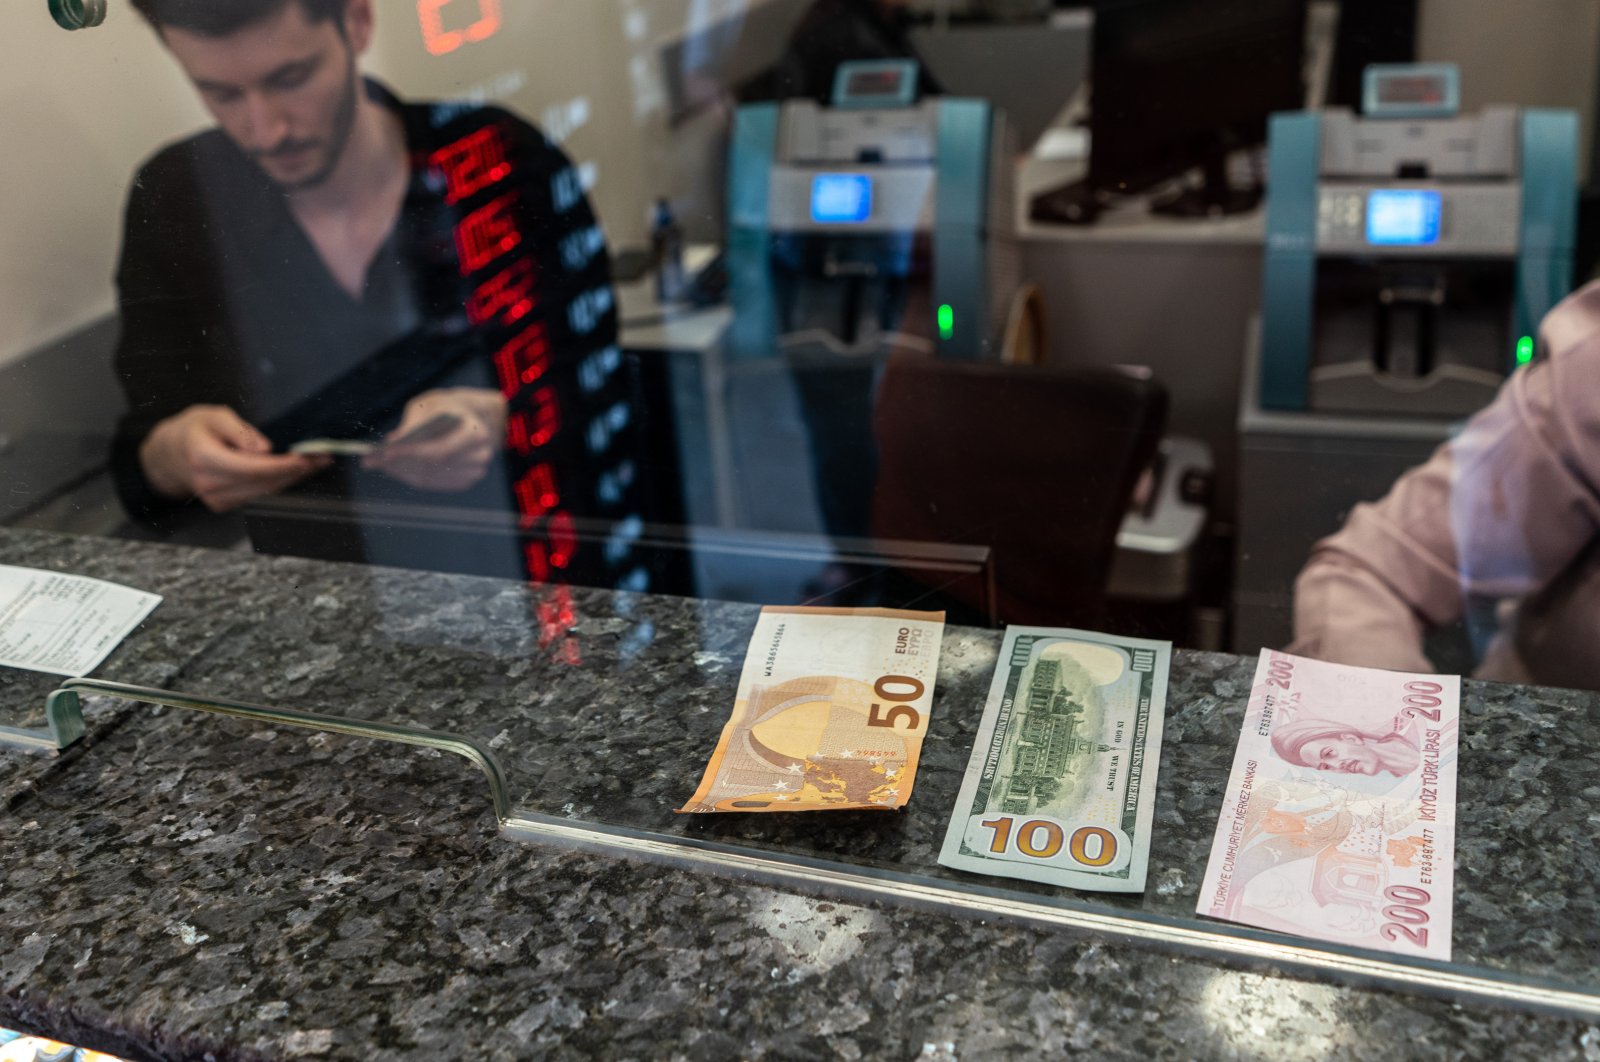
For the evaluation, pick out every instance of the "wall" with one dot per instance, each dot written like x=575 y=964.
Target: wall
x=558 y=63
x=94 y=104
x=97 y=102
x=589 y=73
x=78 y=111
x=1540 y=53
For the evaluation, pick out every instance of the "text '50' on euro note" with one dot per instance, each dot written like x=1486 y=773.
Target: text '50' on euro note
x=830 y=715
x=1061 y=786
x=1339 y=818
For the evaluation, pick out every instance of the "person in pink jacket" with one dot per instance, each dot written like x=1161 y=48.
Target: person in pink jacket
x=1506 y=512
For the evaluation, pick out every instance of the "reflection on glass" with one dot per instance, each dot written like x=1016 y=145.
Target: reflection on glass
x=333 y=271
x=391 y=320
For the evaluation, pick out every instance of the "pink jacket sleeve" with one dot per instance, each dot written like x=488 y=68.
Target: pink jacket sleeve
x=1494 y=513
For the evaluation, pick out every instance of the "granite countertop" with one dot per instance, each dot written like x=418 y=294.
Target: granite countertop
x=181 y=885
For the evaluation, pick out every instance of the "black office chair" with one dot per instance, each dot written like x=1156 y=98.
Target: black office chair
x=1037 y=464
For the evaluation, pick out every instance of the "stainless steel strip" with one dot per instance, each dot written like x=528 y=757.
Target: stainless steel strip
x=1232 y=944
x=1269 y=951
x=454 y=743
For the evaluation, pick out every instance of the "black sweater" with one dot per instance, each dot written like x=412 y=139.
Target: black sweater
x=225 y=300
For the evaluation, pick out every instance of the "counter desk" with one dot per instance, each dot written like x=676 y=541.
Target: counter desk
x=187 y=885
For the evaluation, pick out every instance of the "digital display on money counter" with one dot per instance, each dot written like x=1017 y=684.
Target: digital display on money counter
x=841 y=198
x=882 y=81
x=1415 y=88
x=1403 y=218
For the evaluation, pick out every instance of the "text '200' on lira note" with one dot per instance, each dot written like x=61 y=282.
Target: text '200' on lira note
x=1061 y=786
x=1339 y=818
x=830 y=715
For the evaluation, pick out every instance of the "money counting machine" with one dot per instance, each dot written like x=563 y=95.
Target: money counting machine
x=880 y=229
x=1411 y=254
x=882 y=223
x=1410 y=249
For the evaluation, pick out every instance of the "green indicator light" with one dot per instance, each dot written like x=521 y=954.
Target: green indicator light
x=947 y=321
x=1524 y=350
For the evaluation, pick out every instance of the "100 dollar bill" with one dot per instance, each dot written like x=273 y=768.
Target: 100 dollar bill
x=1339 y=818
x=831 y=711
x=1062 y=781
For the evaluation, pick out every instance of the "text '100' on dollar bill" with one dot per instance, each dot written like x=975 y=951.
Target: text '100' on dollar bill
x=1061 y=786
x=1339 y=818
x=832 y=708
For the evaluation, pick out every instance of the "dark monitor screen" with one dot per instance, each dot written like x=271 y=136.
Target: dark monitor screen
x=1178 y=83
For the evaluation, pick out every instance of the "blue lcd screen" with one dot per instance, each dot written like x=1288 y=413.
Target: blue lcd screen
x=841 y=198
x=1403 y=218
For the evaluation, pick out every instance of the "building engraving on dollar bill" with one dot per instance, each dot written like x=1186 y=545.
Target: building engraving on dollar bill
x=1060 y=787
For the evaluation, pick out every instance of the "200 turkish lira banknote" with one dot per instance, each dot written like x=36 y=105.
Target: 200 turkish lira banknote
x=1339 y=818
x=831 y=711
x=1062 y=782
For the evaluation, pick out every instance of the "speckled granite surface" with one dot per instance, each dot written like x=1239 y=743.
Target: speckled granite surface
x=196 y=613
x=185 y=885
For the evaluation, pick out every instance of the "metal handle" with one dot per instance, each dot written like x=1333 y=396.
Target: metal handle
x=64 y=717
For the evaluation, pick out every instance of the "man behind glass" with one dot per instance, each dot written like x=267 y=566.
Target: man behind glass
x=331 y=261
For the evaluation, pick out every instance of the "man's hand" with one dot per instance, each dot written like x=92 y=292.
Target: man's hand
x=452 y=462
x=212 y=453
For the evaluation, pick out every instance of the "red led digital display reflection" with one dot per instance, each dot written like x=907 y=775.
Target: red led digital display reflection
x=530 y=429
x=563 y=539
x=557 y=616
x=524 y=358
x=507 y=297
x=486 y=234
x=468 y=166
x=472 y=163
x=504 y=297
x=431 y=14
x=536 y=558
x=536 y=493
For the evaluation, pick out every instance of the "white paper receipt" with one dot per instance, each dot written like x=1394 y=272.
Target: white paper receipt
x=64 y=624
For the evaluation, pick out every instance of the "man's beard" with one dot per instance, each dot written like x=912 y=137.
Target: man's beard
x=344 y=121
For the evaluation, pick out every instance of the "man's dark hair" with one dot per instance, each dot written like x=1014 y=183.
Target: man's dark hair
x=219 y=18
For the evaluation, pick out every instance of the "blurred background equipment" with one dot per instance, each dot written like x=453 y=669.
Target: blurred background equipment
x=1179 y=85
x=1409 y=249
x=881 y=222
x=1369 y=32
x=878 y=227
x=1411 y=252
x=1029 y=70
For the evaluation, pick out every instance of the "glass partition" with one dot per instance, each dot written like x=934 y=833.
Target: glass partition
x=577 y=331
x=599 y=711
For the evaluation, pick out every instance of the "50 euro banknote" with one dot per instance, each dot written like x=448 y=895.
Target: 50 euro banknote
x=1339 y=818
x=830 y=715
x=1062 y=782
